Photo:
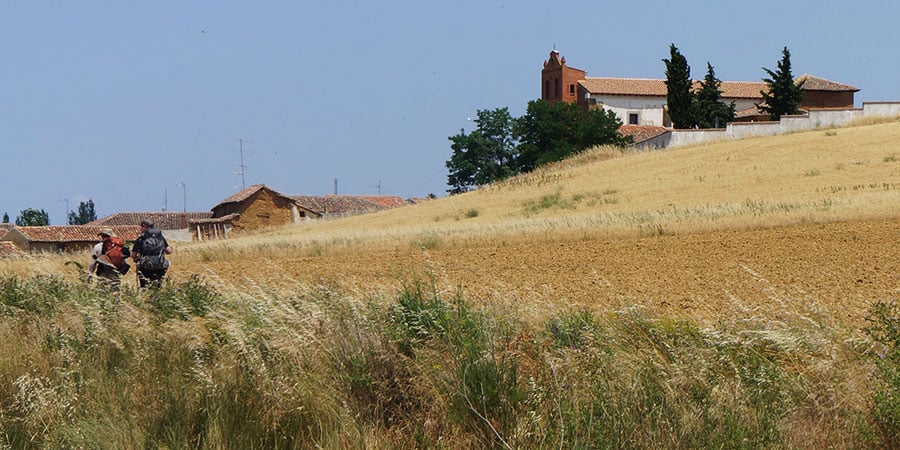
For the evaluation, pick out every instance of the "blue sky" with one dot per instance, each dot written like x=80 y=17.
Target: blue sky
x=142 y=106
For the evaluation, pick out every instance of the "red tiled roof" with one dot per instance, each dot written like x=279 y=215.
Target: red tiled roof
x=813 y=83
x=730 y=89
x=388 y=201
x=657 y=87
x=244 y=194
x=625 y=86
x=164 y=220
x=74 y=233
x=641 y=133
x=338 y=204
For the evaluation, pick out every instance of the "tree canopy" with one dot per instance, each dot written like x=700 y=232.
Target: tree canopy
x=679 y=97
x=784 y=96
x=85 y=213
x=710 y=111
x=485 y=155
x=502 y=146
x=31 y=217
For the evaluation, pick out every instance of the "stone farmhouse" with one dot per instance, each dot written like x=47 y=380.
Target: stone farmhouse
x=259 y=207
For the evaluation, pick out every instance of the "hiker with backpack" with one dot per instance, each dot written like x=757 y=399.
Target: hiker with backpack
x=149 y=252
x=108 y=259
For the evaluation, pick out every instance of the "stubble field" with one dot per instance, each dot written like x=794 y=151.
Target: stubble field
x=837 y=268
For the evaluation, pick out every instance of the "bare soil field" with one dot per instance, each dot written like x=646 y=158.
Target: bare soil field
x=837 y=269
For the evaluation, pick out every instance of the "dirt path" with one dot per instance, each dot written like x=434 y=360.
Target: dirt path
x=839 y=268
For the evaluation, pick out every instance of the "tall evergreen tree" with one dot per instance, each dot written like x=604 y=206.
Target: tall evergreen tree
x=711 y=111
x=784 y=96
x=85 y=213
x=5 y=218
x=31 y=217
x=679 y=96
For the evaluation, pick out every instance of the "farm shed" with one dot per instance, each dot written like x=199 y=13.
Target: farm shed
x=258 y=207
x=69 y=238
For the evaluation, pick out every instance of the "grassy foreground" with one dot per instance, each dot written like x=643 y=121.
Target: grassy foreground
x=190 y=366
x=232 y=355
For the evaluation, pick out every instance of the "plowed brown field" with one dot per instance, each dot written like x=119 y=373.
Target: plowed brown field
x=839 y=269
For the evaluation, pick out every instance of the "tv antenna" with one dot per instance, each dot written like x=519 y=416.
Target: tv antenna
x=242 y=168
x=378 y=186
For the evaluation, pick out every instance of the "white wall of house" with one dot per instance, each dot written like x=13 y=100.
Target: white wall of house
x=648 y=109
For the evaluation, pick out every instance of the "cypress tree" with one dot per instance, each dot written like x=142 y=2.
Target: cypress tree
x=711 y=111
x=679 y=97
x=784 y=95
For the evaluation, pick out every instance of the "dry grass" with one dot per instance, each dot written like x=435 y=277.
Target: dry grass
x=826 y=175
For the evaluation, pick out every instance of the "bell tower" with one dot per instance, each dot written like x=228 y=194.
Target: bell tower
x=559 y=82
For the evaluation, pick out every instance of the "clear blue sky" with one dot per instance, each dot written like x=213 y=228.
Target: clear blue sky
x=138 y=105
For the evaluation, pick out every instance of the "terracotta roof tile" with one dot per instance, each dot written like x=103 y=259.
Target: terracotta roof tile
x=813 y=83
x=730 y=89
x=348 y=204
x=244 y=194
x=164 y=220
x=657 y=87
x=641 y=133
x=74 y=233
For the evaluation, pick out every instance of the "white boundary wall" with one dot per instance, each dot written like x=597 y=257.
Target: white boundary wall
x=817 y=118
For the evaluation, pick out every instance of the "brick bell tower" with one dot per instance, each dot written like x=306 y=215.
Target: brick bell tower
x=559 y=83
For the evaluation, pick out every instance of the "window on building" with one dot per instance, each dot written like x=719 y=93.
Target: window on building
x=546 y=89
x=558 y=84
x=632 y=118
x=571 y=89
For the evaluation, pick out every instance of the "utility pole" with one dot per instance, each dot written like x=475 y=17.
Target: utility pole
x=378 y=186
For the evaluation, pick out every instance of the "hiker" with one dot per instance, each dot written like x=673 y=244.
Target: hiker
x=108 y=259
x=149 y=252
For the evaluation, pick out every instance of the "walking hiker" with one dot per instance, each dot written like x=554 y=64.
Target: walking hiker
x=149 y=252
x=108 y=259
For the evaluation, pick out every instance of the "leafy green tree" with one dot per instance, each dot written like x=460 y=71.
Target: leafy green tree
x=485 y=155
x=710 y=111
x=784 y=96
x=552 y=131
x=5 y=218
x=31 y=217
x=85 y=213
x=548 y=133
x=679 y=94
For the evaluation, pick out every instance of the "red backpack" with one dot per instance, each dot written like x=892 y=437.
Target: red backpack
x=115 y=251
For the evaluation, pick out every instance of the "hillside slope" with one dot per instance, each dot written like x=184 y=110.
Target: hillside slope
x=757 y=227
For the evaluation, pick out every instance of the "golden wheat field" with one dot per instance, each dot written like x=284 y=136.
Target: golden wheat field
x=751 y=228
x=757 y=228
